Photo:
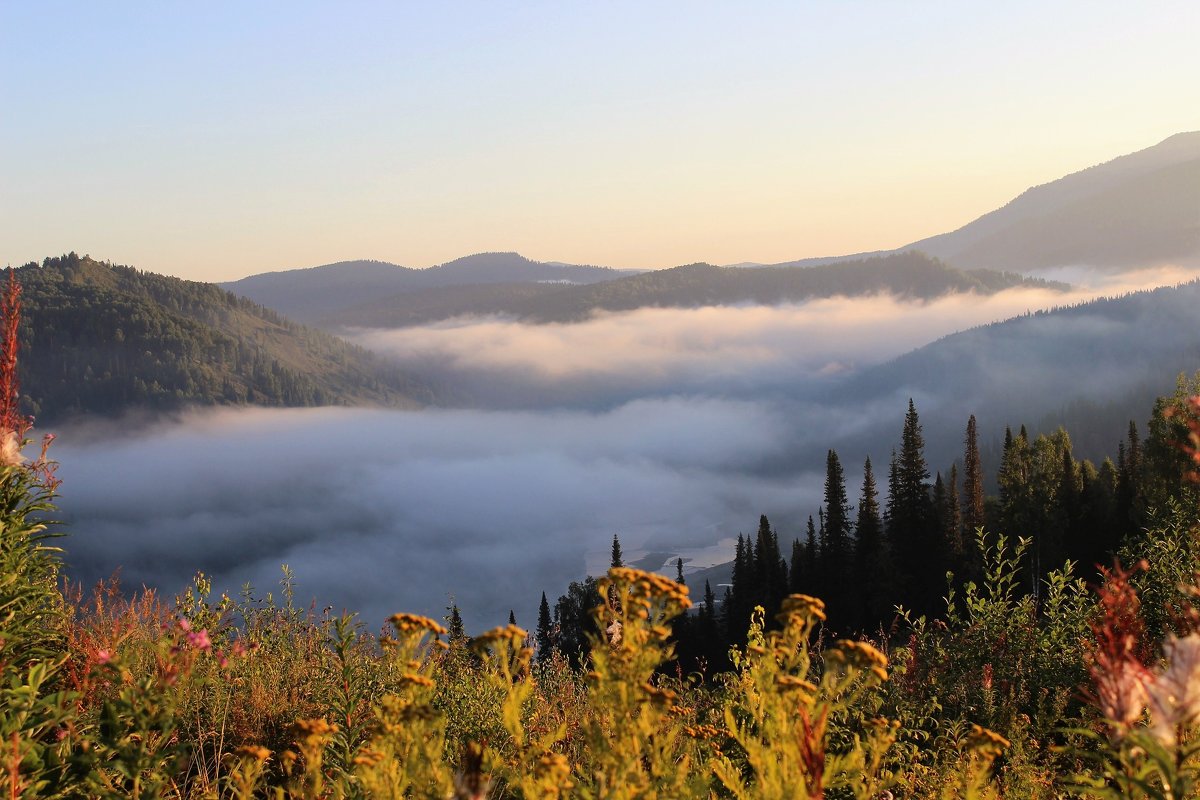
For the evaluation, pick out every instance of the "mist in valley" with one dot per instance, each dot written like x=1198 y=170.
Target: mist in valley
x=672 y=428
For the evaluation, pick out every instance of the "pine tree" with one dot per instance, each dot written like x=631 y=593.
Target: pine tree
x=545 y=630
x=796 y=577
x=737 y=595
x=835 y=554
x=972 y=483
x=454 y=624
x=512 y=617
x=1129 y=485
x=812 y=558
x=679 y=572
x=617 y=560
x=953 y=523
x=911 y=527
x=769 y=569
x=868 y=555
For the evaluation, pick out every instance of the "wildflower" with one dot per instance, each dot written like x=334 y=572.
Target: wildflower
x=103 y=656
x=254 y=751
x=1118 y=673
x=10 y=450
x=1174 y=694
x=200 y=640
x=789 y=682
x=614 y=632
x=417 y=680
x=987 y=741
x=414 y=623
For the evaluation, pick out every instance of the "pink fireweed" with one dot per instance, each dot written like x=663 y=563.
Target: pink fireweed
x=1117 y=666
x=1174 y=693
x=199 y=640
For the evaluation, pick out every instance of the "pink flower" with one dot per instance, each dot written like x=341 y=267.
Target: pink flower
x=1174 y=693
x=200 y=640
x=103 y=656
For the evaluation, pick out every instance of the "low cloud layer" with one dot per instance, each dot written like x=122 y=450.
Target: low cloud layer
x=381 y=511
x=673 y=428
x=727 y=351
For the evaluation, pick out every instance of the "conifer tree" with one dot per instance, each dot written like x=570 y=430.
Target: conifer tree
x=1129 y=484
x=954 y=522
x=1013 y=481
x=868 y=555
x=454 y=624
x=679 y=572
x=911 y=527
x=736 y=605
x=617 y=559
x=812 y=557
x=796 y=577
x=972 y=483
x=770 y=571
x=545 y=630
x=835 y=552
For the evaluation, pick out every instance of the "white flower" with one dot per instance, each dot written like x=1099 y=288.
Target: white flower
x=1174 y=694
x=10 y=450
x=614 y=633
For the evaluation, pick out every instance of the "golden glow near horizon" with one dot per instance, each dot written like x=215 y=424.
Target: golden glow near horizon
x=217 y=142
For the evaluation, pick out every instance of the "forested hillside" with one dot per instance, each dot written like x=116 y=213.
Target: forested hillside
x=1089 y=366
x=910 y=275
x=111 y=338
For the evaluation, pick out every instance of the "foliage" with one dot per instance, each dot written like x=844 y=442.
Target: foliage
x=110 y=338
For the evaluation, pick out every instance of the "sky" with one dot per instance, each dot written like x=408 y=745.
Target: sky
x=217 y=140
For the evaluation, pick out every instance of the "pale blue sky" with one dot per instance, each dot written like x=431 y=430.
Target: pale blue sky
x=214 y=140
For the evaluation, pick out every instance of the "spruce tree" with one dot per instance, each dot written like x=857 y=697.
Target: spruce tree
x=911 y=527
x=679 y=572
x=545 y=630
x=796 y=577
x=812 y=560
x=835 y=554
x=868 y=555
x=953 y=523
x=972 y=483
x=770 y=571
x=737 y=595
x=617 y=559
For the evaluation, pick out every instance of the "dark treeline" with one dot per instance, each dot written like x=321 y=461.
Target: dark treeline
x=911 y=545
x=109 y=338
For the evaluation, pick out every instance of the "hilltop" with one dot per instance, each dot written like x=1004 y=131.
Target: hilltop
x=109 y=338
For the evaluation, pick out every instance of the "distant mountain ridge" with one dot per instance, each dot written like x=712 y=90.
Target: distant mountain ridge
x=909 y=275
x=308 y=294
x=106 y=339
x=1139 y=209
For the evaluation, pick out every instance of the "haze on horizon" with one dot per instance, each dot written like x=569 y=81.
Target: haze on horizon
x=216 y=141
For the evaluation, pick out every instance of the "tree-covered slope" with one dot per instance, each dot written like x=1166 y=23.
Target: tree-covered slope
x=103 y=339
x=910 y=275
x=1091 y=366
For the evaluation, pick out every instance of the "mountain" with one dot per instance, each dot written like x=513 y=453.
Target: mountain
x=1136 y=210
x=308 y=294
x=910 y=275
x=1139 y=209
x=103 y=339
x=1091 y=367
